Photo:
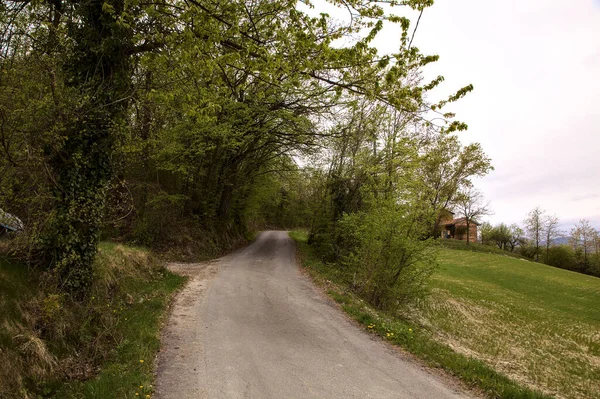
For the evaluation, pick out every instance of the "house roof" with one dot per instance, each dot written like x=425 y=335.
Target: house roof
x=460 y=221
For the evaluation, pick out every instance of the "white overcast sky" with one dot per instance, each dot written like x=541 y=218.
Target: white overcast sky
x=535 y=109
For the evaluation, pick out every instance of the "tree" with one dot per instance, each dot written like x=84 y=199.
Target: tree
x=534 y=226
x=470 y=204
x=551 y=230
x=447 y=168
x=389 y=259
x=501 y=235
x=561 y=256
x=196 y=111
x=86 y=50
x=516 y=236
x=486 y=233
x=583 y=239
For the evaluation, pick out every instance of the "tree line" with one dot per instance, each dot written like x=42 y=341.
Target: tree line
x=538 y=240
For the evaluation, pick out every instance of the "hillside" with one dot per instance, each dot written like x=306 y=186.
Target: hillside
x=537 y=324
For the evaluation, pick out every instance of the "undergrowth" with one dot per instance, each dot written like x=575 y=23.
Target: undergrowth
x=410 y=336
x=102 y=347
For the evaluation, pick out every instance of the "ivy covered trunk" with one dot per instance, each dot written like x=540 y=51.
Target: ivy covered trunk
x=99 y=73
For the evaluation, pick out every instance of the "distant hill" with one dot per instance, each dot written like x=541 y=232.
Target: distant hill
x=562 y=240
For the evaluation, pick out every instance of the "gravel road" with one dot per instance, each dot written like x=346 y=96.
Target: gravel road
x=251 y=325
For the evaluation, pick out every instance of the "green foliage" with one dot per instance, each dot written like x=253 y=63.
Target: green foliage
x=485 y=230
x=161 y=218
x=375 y=213
x=509 y=238
x=281 y=201
x=446 y=168
x=179 y=125
x=593 y=268
x=389 y=260
x=534 y=226
x=561 y=256
x=99 y=72
x=501 y=236
x=584 y=239
x=125 y=118
x=565 y=257
x=483 y=248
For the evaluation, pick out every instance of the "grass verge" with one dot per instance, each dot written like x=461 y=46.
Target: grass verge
x=409 y=335
x=102 y=348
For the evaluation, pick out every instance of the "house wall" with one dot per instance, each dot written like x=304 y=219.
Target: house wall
x=458 y=224
x=472 y=233
x=452 y=232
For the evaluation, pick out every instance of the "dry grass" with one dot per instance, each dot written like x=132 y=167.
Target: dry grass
x=40 y=360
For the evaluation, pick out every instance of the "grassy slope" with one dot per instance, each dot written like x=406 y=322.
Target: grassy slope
x=476 y=247
x=115 y=329
x=537 y=324
x=409 y=334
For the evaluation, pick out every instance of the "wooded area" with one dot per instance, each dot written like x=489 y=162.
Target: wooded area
x=169 y=124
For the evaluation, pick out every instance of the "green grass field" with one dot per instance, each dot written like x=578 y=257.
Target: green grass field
x=536 y=324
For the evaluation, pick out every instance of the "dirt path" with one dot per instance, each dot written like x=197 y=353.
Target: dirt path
x=250 y=325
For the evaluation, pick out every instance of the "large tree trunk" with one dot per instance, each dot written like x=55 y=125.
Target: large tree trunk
x=99 y=71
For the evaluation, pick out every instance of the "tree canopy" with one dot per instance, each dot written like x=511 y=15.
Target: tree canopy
x=141 y=119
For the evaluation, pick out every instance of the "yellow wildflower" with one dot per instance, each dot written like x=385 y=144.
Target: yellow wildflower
x=141 y=360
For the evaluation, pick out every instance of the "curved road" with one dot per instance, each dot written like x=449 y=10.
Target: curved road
x=252 y=326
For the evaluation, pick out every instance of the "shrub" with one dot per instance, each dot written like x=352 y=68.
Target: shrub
x=385 y=252
x=594 y=265
x=561 y=256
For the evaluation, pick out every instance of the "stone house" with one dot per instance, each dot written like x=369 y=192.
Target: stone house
x=456 y=228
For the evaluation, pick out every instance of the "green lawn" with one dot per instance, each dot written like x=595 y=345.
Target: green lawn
x=537 y=324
